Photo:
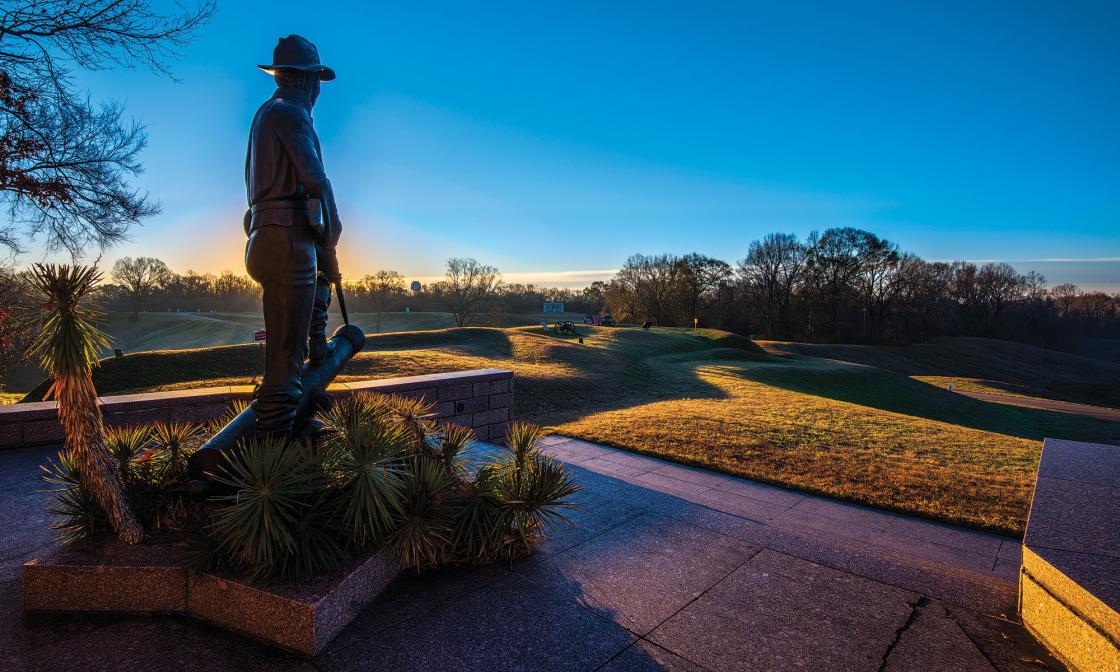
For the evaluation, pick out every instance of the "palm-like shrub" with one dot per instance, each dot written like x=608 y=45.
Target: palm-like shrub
x=125 y=444
x=364 y=450
x=68 y=346
x=424 y=534
x=277 y=522
x=174 y=443
x=76 y=514
x=531 y=491
x=382 y=473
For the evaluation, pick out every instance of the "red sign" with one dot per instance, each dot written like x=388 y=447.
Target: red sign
x=260 y=335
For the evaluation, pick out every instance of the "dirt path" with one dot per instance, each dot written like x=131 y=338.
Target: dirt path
x=1098 y=412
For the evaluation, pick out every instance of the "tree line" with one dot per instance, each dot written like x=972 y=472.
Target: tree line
x=468 y=287
x=850 y=285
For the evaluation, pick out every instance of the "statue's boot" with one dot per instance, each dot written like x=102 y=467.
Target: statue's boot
x=317 y=344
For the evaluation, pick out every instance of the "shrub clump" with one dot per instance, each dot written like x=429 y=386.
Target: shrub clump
x=383 y=473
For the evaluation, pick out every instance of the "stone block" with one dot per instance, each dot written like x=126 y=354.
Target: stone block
x=106 y=577
x=137 y=417
x=504 y=400
x=109 y=577
x=299 y=618
x=426 y=394
x=472 y=405
x=1063 y=631
x=11 y=435
x=200 y=413
x=42 y=431
x=464 y=420
x=498 y=431
x=455 y=391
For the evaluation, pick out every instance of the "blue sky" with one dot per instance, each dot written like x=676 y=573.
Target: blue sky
x=555 y=140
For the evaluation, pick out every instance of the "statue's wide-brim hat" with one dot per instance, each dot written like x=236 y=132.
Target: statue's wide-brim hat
x=297 y=53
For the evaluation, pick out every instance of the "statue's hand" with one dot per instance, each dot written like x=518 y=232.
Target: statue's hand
x=328 y=265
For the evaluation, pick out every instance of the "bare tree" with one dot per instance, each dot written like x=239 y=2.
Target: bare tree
x=770 y=271
x=382 y=287
x=700 y=276
x=466 y=283
x=65 y=162
x=1065 y=295
x=140 y=278
x=16 y=332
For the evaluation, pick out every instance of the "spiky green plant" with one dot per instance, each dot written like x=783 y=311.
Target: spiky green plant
x=532 y=488
x=125 y=444
x=418 y=417
x=452 y=445
x=480 y=528
x=363 y=455
x=76 y=514
x=67 y=347
x=277 y=521
x=424 y=529
x=175 y=443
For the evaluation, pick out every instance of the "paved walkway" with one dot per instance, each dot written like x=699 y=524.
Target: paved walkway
x=1098 y=412
x=666 y=568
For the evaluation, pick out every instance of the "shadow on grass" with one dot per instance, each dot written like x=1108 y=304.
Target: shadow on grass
x=877 y=388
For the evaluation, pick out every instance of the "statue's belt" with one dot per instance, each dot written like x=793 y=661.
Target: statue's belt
x=279 y=219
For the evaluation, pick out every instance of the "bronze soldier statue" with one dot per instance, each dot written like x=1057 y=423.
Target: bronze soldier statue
x=293 y=227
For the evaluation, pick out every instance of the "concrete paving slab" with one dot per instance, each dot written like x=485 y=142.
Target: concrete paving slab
x=590 y=516
x=932 y=640
x=643 y=656
x=612 y=468
x=749 y=507
x=511 y=625
x=642 y=572
x=778 y=612
x=1077 y=461
x=973 y=541
x=1074 y=516
x=871 y=519
x=797 y=518
x=155 y=643
x=950 y=555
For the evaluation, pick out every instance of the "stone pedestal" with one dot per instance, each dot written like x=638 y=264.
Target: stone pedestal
x=110 y=577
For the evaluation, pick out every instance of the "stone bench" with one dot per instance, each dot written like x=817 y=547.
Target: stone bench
x=1069 y=585
x=478 y=398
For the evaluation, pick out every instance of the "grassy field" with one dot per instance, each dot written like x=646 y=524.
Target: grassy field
x=177 y=331
x=984 y=365
x=165 y=331
x=867 y=433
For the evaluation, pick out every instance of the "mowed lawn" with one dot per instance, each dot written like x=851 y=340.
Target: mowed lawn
x=709 y=398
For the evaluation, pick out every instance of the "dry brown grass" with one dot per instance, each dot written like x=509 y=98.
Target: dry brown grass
x=843 y=429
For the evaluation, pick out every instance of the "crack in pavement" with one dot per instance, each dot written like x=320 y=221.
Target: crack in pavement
x=915 y=609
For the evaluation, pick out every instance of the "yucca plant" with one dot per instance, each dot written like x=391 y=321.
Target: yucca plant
x=532 y=488
x=480 y=527
x=424 y=530
x=125 y=444
x=277 y=521
x=76 y=514
x=175 y=442
x=363 y=452
x=452 y=445
x=68 y=346
x=417 y=417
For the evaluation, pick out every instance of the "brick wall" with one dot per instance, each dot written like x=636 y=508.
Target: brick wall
x=480 y=398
